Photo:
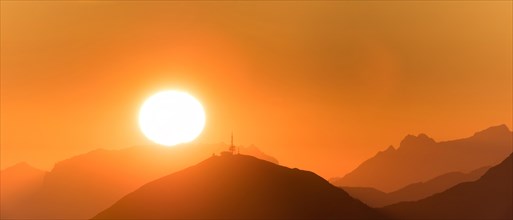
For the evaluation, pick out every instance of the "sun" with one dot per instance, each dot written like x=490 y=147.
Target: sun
x=171 y=117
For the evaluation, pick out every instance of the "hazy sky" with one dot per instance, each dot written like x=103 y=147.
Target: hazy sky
x=318 y=85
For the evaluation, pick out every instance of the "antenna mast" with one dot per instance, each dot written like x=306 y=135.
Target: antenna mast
x=232 y=147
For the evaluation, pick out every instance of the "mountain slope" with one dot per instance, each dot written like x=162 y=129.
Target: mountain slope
x=415 y=191
x=420 y=158
x=438 y=184
x=238 y=187
x=82 y=186
x=17 y=183
x=370 y=196
x=490 y=197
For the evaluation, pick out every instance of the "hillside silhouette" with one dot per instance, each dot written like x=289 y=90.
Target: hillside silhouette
x=415 y=191
x=238 y=187
x=17 y=183
x=490 y=197
x=82 y=186
x=420 y=158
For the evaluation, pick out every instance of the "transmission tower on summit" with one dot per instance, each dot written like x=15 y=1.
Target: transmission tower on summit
x=232 y=150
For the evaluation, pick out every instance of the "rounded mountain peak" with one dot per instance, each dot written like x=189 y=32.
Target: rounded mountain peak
x=239 y=187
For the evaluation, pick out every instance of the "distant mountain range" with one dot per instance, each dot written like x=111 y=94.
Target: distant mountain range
x=239 y=187
x=18 y=183
x=82 y=186
x=415 y=191
x=490 y=197
x=420 y=158
x=244 y=187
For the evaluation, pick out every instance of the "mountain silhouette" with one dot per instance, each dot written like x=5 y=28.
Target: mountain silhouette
x=255 y=152
x=490 y=197
x=238 y=187
x=415 y=191
x=82 y=186
x=420 y=158
x=17 y=183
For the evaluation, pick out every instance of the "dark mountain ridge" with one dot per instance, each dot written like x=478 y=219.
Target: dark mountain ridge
x=414 y=191
x=238 y=187
x=490 y=197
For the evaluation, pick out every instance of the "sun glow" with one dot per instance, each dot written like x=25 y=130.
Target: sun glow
x=171 y=117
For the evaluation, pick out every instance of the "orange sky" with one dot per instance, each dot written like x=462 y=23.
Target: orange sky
x=320 y=86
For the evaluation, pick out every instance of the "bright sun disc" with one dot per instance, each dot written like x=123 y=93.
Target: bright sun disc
x=171 y=117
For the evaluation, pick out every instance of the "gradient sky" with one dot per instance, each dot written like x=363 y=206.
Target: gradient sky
x=318 y=85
